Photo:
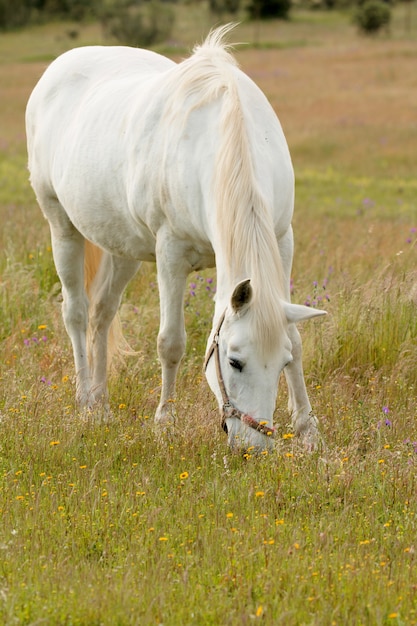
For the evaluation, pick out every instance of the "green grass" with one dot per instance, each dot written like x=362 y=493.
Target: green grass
x=114 y=524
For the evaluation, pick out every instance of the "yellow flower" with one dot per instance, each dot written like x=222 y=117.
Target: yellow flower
x=229 y=515
x=122 y=405
x=183 y=475
x=288 y=435
x=41 y=326
x=54 y=443
x=259 y=494
x=163 y=538
x=259 y=610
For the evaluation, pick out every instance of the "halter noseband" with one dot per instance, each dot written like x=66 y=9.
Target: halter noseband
x=228 y=410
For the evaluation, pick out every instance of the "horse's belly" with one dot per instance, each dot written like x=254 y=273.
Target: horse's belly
x=112 y=229
x=137 y=246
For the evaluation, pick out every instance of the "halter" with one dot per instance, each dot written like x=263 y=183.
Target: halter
x=228 y=410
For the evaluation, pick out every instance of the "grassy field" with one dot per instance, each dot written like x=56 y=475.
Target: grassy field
x=112 y=525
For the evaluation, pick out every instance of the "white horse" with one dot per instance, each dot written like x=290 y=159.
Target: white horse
x=186 y=165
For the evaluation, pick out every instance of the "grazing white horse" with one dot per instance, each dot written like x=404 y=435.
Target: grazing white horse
x=186 y=165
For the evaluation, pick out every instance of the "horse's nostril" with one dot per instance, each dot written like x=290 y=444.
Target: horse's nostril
x=224 y=426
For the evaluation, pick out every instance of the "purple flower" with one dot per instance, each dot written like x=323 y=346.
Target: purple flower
x=367 y=202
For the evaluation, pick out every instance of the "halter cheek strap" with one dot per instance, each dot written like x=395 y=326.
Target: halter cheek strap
x=228 y=410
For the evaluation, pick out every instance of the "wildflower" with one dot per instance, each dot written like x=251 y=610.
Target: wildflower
x=54 y=443
x=259 y=611
x=41 y=326
x=122 y=405
x=259 y=494
x=163 y=539
x=184 y=475
x=229 y=515
x=288 y=435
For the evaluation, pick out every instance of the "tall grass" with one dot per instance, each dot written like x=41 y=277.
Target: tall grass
x=118 y=525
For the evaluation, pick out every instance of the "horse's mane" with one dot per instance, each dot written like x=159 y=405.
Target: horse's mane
x=244 y=219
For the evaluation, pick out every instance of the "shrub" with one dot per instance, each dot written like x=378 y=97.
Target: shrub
x=139 y=24
x=13 y=13
x=372 y=16
x=220 y=7
x=269 y=8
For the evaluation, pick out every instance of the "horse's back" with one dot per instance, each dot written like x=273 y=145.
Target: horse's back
x=90 y=66
x=94 y=76
x=81 y=136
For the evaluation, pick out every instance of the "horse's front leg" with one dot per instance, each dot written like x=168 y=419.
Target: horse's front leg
x=172 y=274
x=304 y=422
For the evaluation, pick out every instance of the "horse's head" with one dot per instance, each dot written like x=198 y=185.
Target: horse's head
x=243 y=374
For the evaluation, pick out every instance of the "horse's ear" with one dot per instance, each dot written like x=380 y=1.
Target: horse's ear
x=299 y=312
x=241 y=296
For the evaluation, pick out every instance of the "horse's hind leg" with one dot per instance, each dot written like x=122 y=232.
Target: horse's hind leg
x=68 y=252
x=113 y=275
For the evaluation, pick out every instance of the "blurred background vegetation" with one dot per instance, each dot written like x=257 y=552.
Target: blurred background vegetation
x=148 y=22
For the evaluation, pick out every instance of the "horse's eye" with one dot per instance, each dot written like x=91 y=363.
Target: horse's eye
x=237 y=365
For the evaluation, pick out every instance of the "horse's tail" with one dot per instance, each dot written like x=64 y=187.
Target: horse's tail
x=117 y=345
